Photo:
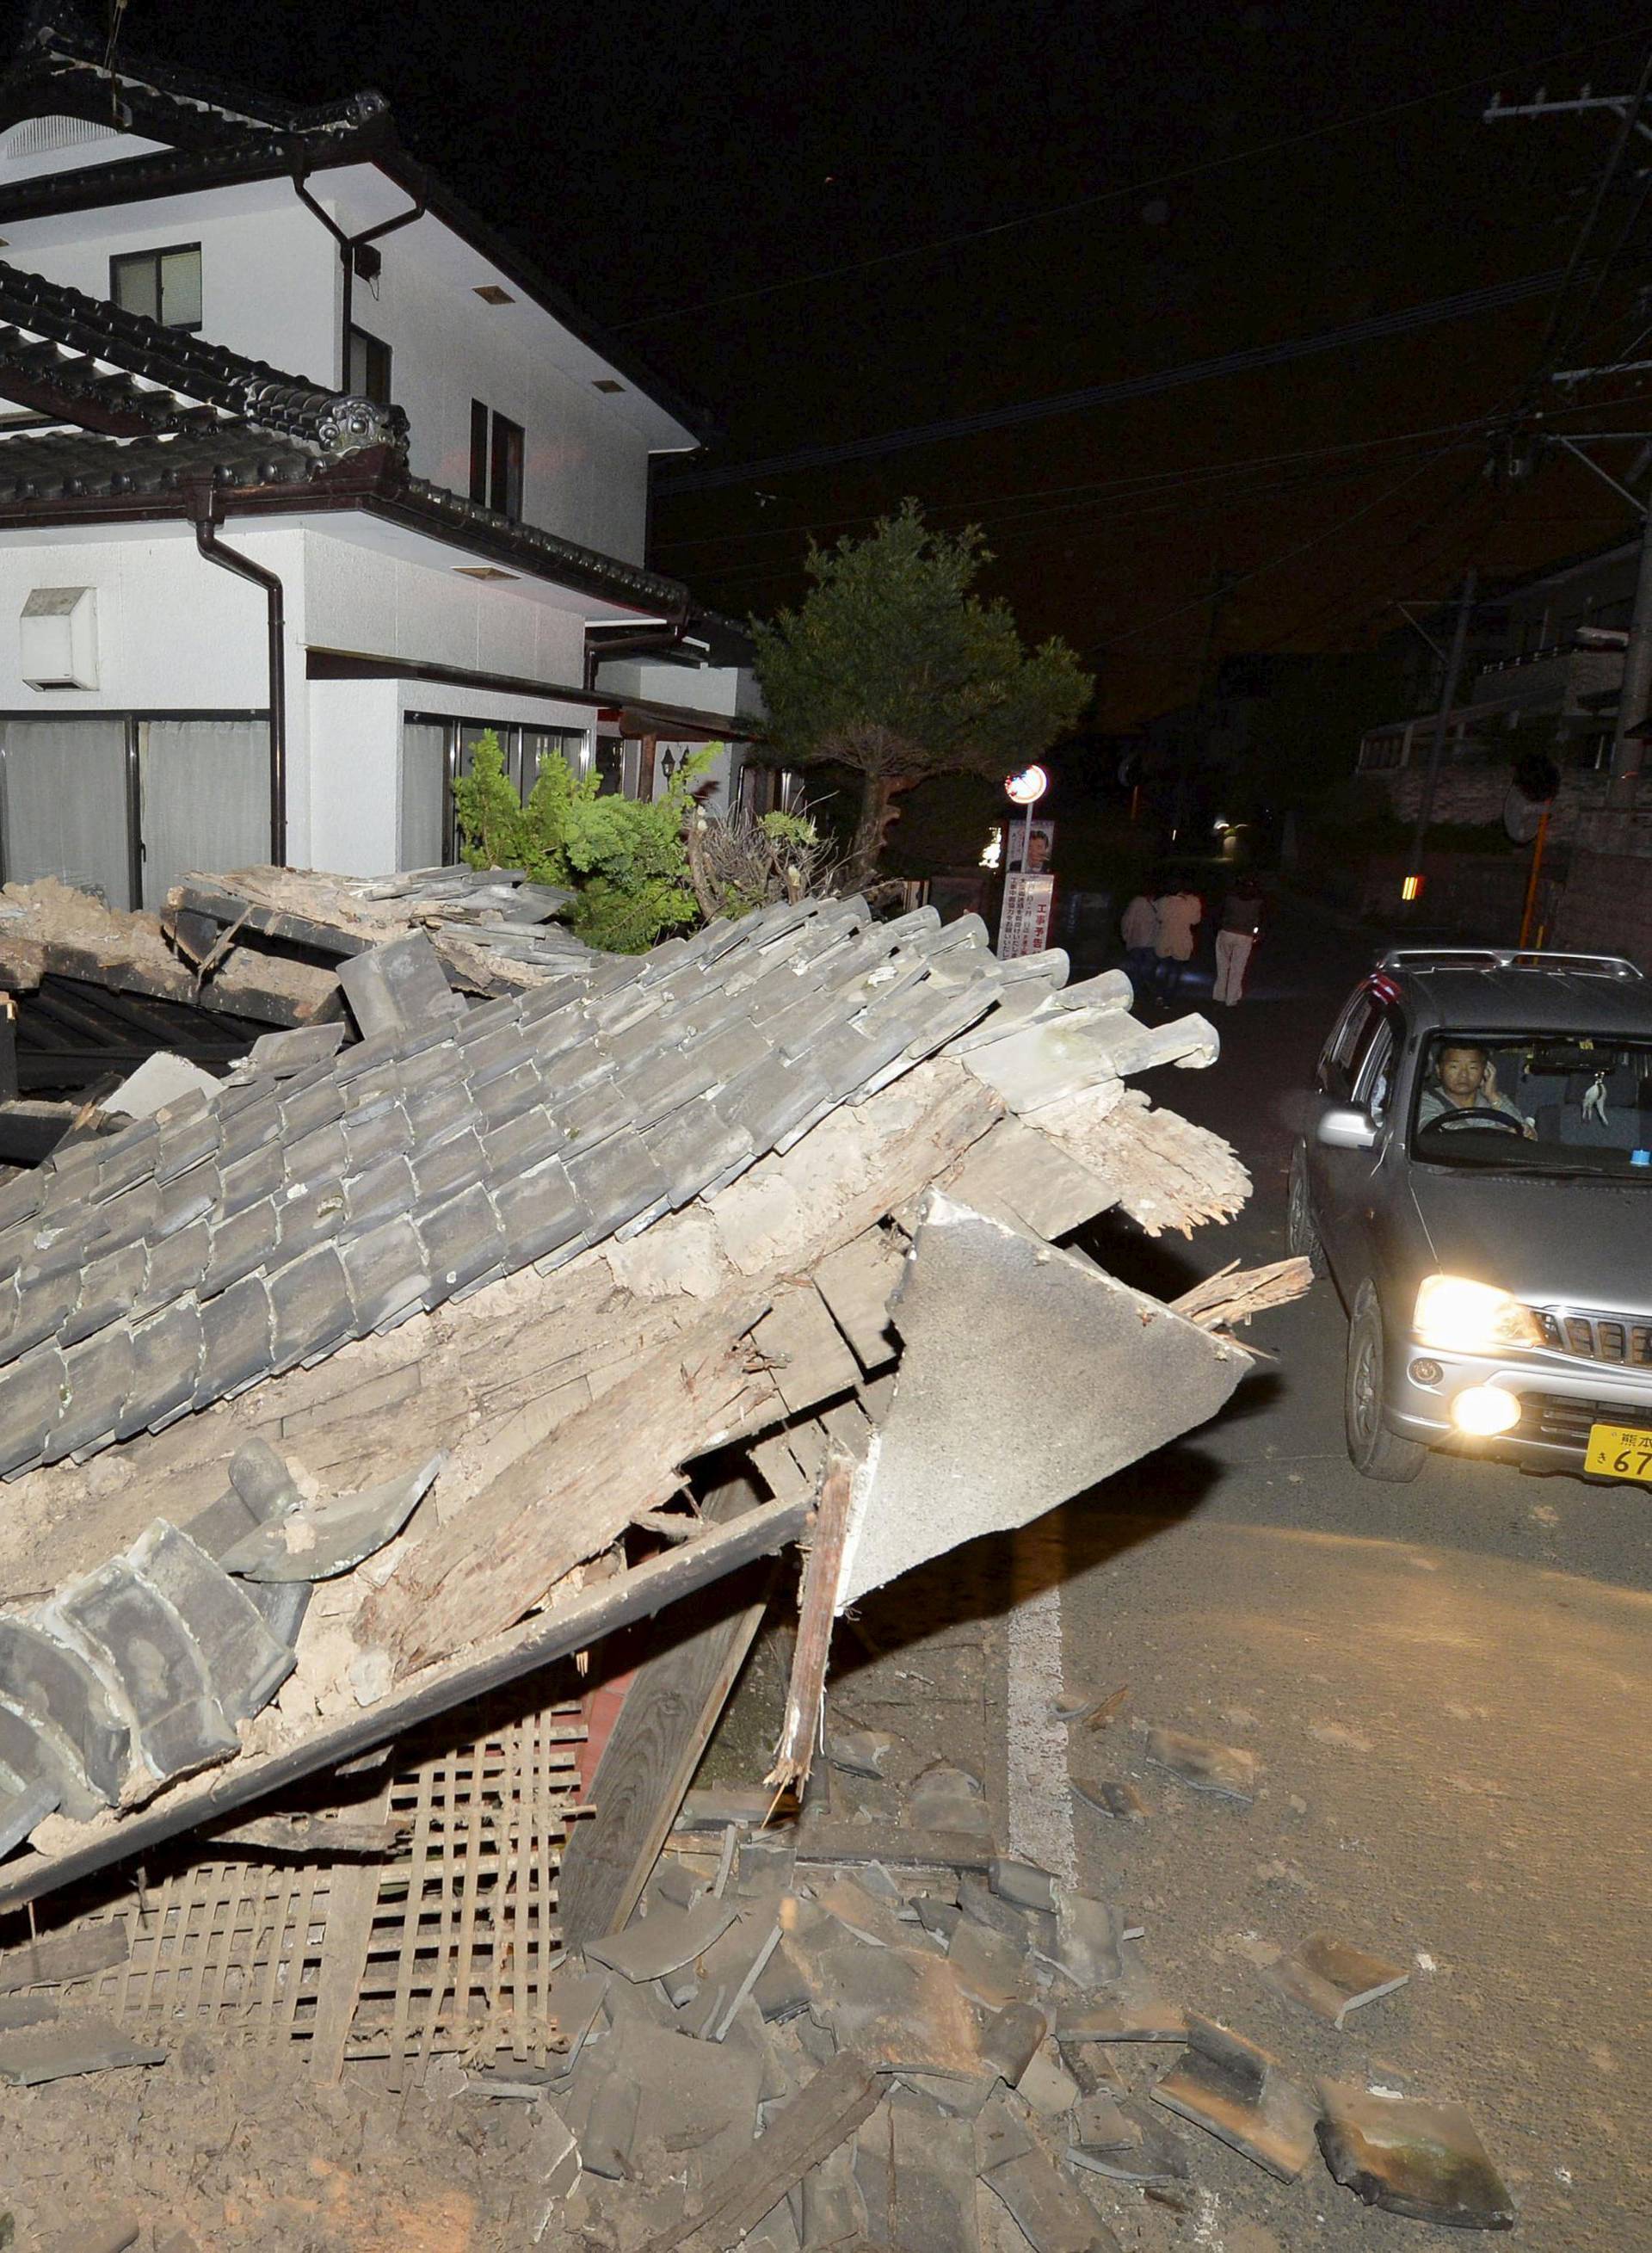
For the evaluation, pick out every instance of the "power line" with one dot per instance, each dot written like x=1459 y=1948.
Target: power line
x=1112 y=195
x=1285 y=555
x=1492 y=297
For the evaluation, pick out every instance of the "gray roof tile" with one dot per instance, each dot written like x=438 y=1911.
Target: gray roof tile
x=693 y=1146
x=137 y=1642
x=385 y=1188
x=463 y=1242
x=263 y=1173
x=237 y=1330
x=524 y=1142
x=110 y=1288
x=26 y=1754
x=614 y=1183
x=259 y=1123
x=31 y=1403
x=537 y=1212
x=177 y=1263
x=306 y=1218
x=456 y=1163
x=386 y=1272
x=185 y=1144
x=509 y=1095
x=324 y=1153
x=56 y=1690
x=242 y=1243
x=306 y=1108
x=99 y=1377
x=166 y=1361
x=245 y=1662
x=310 y=1301
x=437 y=1110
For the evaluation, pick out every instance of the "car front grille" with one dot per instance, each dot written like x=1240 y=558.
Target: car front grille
x=1618 y=1338
x=1560 y=1421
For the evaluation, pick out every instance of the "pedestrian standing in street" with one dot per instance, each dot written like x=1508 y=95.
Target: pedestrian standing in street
x=1179 y=912
x=1237 y=936
x=1140 y=931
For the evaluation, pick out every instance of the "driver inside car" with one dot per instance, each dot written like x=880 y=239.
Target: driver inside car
x=1464 y=1079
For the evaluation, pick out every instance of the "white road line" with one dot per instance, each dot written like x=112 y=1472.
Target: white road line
x=1040 y=1808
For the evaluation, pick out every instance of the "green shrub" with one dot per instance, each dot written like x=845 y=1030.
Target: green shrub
x=626 y=862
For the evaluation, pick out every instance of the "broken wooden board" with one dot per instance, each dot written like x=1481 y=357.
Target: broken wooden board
x=662 y=1730
x=823 y=2113
x=1113 y=1374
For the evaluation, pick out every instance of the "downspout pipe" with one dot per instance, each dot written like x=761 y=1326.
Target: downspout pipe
x=348 y=246
x=202 y=508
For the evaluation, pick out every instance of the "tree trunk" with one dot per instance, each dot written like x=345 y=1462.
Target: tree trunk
x=877 y=810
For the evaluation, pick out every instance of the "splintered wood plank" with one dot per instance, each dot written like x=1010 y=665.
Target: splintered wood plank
x=407 y=1953
x=817 y=1611
x=353 y=1898
x=661 y=1732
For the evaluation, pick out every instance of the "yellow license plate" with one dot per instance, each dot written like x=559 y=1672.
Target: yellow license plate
x=1619 y=1451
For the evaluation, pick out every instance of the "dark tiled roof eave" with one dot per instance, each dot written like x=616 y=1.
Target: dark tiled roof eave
x=58 y=69
x=91 y=330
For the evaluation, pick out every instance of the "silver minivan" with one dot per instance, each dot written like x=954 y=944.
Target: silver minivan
x=1476 y=1175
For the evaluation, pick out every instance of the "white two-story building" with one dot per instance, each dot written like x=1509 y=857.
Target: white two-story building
x=305 y=478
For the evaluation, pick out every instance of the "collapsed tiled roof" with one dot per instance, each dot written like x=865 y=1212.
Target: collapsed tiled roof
x=153 y=1271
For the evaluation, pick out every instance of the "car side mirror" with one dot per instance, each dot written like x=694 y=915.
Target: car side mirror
x=1346 y=1128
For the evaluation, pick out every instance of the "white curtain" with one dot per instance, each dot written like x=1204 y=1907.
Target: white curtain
x=423 y=786
x=63 y=784
x=205 y=799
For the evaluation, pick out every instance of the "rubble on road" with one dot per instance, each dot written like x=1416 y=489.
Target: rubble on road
x=1411 y=2156
x=1328 y=1975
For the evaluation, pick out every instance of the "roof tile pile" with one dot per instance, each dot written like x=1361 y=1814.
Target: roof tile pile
x=150 y=1272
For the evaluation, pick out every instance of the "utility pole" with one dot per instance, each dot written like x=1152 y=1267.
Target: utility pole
x=1448 y=698
x=1634 y=121
x=1221 y=589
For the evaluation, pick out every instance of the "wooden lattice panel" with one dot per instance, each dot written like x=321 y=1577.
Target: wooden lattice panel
x=239 y=1945
x=450 y=1946
x=464 y=1935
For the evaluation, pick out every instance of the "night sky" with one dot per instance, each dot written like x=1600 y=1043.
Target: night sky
x=696 y=175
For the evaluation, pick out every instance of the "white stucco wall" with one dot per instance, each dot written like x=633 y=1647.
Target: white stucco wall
x=381 y=605
x=269 y=274
x=586 y=469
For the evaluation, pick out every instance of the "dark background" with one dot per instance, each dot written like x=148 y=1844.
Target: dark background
x=692 y=174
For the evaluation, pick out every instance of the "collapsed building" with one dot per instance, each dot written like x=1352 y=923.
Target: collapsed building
x=509 y=1297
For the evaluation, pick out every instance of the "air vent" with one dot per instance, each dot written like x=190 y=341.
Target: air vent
x=35 y=136
x=483 y=571
x=58 y=638
x=605 y=383
x=490 y=294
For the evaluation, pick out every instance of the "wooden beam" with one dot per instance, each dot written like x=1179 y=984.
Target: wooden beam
x=657 y=1741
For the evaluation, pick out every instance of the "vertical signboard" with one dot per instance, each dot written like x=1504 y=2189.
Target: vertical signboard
x=1024 y=927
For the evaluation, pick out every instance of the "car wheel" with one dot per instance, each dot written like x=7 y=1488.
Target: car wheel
x=1373 y=1449
x=1301 y=1236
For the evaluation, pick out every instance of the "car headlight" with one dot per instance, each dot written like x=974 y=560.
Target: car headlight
x=1467 y=1317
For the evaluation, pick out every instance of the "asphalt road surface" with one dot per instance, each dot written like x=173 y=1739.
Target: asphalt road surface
x=1450 y=1687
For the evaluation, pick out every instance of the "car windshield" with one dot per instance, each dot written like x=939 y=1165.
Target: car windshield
x=1570 y=1104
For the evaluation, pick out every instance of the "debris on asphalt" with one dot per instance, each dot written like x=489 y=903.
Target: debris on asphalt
x=1229 y=2086
x=1226 y=1769
x=1411 y=2156
x=1113 y=1797
x=1331 y=1977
